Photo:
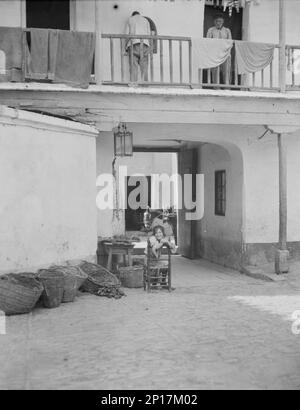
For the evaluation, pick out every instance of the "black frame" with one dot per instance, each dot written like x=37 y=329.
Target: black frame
x=220 y=193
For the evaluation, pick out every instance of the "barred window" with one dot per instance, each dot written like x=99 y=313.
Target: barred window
x=220 y=193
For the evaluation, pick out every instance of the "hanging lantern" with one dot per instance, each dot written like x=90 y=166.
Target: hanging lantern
x=123 y=141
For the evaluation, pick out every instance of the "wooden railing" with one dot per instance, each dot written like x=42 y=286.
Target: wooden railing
x=170 y=59
x=293 y=67
x=171 y=65
x=266 y=79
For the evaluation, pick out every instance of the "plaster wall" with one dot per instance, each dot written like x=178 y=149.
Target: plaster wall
x=47 y=206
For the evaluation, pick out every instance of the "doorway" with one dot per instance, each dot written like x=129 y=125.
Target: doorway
x=134 y=217
x=51 y=14
x=143 y=192
x=234 y=23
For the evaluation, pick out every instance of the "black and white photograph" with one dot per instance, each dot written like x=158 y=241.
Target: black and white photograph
x=149 y=198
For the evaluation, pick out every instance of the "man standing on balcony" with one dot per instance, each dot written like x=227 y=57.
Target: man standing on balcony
x=219 y=32
x=138 y=52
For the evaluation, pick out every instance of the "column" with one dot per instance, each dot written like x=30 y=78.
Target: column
x=282 y=45
x=98 y=53
x=282 y=254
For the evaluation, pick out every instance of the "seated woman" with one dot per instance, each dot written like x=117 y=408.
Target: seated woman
x=158 y=240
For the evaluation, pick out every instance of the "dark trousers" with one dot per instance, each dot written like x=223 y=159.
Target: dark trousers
x=138 y=57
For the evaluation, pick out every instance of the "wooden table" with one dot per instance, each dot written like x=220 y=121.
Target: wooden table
x=119 y=249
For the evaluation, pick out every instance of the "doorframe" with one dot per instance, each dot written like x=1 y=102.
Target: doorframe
x=193 y=224
x=23 y=14
x=246 y=23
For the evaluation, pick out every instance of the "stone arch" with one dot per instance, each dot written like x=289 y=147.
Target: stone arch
x=220 y=238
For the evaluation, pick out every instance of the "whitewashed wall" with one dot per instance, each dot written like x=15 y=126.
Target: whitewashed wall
x=220 y=237
x=149 y=163
x=10 y=13
x=47 y=179
x=178 y=18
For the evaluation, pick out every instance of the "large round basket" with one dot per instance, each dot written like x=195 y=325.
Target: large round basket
x=53 y=282
x=19 y=293
x=131 y=276
x=98 y=277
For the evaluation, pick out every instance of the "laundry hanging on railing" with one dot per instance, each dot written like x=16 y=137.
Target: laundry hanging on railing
x=37 y=61
x=74 y=57
x=12 y=54
x=210 y=53
x=61 y=56
x=253 y=57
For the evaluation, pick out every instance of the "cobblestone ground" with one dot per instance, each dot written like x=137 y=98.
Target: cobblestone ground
x=217 y=330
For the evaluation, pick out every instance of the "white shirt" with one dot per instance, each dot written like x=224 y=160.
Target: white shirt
x=221 y=34
x=138 y=25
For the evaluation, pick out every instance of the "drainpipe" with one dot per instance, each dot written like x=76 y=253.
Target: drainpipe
x=282 y=253
x=282 y=45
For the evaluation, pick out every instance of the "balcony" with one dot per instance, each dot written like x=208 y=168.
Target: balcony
x=171 y=64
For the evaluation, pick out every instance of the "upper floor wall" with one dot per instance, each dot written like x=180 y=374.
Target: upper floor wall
x=188 y=19
x=173 y=18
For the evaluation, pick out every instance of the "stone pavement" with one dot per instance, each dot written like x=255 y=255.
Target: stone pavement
x=218 y=330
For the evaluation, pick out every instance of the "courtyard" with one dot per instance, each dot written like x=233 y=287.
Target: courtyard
x=217 y=330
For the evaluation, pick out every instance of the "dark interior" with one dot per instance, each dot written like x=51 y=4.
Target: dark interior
x=53 y=14
x=235 y=22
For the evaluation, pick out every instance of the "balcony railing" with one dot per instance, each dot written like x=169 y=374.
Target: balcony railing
x=166 y=66
x=293 y=67
x=171 y=64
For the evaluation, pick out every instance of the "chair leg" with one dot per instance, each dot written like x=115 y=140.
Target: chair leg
x=144 y=278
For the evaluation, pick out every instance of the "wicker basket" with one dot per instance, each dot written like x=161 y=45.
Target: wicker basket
x=131 y=276
x=80 y=275
x=98 y=277
x=73 y=279
x=53 y=282
x=19 y=293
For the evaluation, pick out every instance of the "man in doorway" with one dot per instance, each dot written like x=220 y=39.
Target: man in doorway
x=138 y=52
x=220 y=32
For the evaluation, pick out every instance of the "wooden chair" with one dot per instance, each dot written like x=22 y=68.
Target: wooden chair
x=157 y=272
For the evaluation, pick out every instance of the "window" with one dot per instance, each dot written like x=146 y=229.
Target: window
x=52 y=14
x=220 y=193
